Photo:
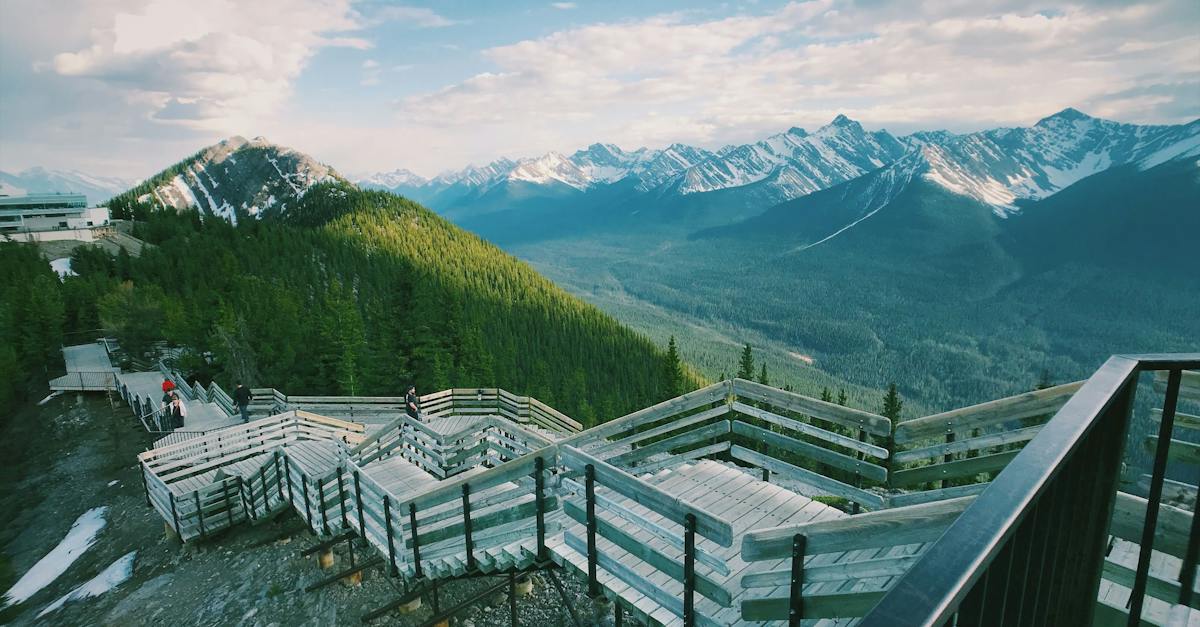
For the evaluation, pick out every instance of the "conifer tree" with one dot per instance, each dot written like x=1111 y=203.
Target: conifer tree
x=826 y=395
x=746 y=365
x=672 y=371
x=892 y=404
x=841 y=399
x=1044 y=380
x=762 y=375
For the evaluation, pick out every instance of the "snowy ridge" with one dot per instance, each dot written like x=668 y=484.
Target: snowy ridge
x=34 y=180
x=239 y=175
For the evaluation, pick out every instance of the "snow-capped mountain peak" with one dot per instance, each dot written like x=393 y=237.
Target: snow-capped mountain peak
x=399 y=177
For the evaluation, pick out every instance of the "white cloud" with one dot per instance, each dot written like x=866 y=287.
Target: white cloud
x=213 y=64
x=563 y=5
x=414 y=17
x=713 y=81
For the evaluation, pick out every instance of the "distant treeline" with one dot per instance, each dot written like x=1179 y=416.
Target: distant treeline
x=354 y=292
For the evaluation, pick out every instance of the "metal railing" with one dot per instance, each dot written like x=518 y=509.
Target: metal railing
x=1030 y=549
x=85 y=381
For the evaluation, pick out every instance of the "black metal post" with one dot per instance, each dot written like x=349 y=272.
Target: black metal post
x=199 y=512
x=689 y=570
x=766 y=475
x=1165 y=430
x=387 y=524
x=796 y=595
x=307 y=504
x=618 y=614
x=175 y=515
x=262 y=478
x=416 y=544
x=540 y=499
x=589 y=473
x=512 y=599
x=341 y=497
x=228 y=505
x=287 y=472
x=948 y=457
x=146 y=487
x=324 y=509
x=362 y=526
x=278 y=474
x=1187 y=573
x=467 y=540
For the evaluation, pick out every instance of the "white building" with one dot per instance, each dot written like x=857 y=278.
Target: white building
x=45 y=217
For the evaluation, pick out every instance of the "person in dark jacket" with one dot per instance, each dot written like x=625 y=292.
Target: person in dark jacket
x=412 y=404
x=242 y=397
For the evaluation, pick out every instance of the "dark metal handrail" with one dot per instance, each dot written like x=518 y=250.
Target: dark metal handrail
x=1030 y=549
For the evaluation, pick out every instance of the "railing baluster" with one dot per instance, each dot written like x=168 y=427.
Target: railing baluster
x=1165 y=430
x=387 y=525
x=416 y=544
x=689 y=570
x=1187 y=572
x=362 y=525
x=467 y=539
x=589 y=473
x=324 y=508
x=796 y=583
x=540 y=499
x=199 y=512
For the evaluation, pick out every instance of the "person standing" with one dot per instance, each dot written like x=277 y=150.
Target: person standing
x=178 y=411
x=168 y=386
x=412 y=404
x=242 y=397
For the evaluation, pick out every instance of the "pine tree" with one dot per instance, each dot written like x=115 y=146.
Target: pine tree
x=892 y=404
x=1044 y=380
x=841 y=400
x=672 y=371
x=826 y=395
x=762 y=375
x=746 y=365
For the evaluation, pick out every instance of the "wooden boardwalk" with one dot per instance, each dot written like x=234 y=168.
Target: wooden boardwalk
x=694 y=460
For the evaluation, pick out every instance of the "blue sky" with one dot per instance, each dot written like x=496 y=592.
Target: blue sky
x=126 y=87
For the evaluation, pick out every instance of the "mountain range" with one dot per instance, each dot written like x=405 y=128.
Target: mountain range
x=33 y=180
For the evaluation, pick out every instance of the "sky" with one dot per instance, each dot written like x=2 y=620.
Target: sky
x=127 y=87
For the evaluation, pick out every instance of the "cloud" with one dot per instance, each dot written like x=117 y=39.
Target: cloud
x=413 y=17
x=685 y=77
x=563 y=5
x=209 y=65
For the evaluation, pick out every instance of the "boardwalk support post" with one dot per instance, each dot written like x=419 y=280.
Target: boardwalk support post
x=689 y=570
x=592 y=557
x=387 y=524
x=362 y=527
x=416 y=544
x=796 y=595
x=341 y=498
x=540 y=498
x=469 y=543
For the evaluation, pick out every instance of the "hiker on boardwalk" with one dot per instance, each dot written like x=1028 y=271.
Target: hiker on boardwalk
x=168 y=386
x=412 y=404
x=242 y=397
x=178 y=411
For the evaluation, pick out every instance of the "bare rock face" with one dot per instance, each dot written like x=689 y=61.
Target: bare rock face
x=240 y=177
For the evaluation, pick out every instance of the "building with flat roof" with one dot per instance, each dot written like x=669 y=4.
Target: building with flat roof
x=41 y=217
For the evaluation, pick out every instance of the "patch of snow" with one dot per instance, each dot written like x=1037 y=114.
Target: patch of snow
x=78 y=540
x=63 y=267
x=113 y=482
x=1189 y=147
x=116 y=574
x=185 y=193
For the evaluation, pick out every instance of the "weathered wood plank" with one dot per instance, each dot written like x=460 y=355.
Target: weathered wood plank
x=715 y=430
x=679 y=458
x=1174 y=524
x=889 y=527
x=644 y=493
x=687 y=402
x=678 y=423
x=504 y=473
x=1189 y=384
x=832 y=487
x=841 y=571
x=969 y=444
x=825 y=456
x=810 y=430
x=1178 y=450
x=648 y=554
x=836 y=605
x=927 y=496
x=1187 y=421
x=829 y=412
x=953 y=470
x=999 y=411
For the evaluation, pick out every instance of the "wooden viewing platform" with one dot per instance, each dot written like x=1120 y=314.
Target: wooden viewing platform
x=683 y=513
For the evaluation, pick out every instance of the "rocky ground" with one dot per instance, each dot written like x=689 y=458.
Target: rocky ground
x=71 y=455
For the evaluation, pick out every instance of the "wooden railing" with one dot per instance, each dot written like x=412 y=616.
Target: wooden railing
x=1030 y=549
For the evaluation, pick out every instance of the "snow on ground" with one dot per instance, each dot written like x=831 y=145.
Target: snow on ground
x=63 y=267
x=79 y=539
x=116 y=574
